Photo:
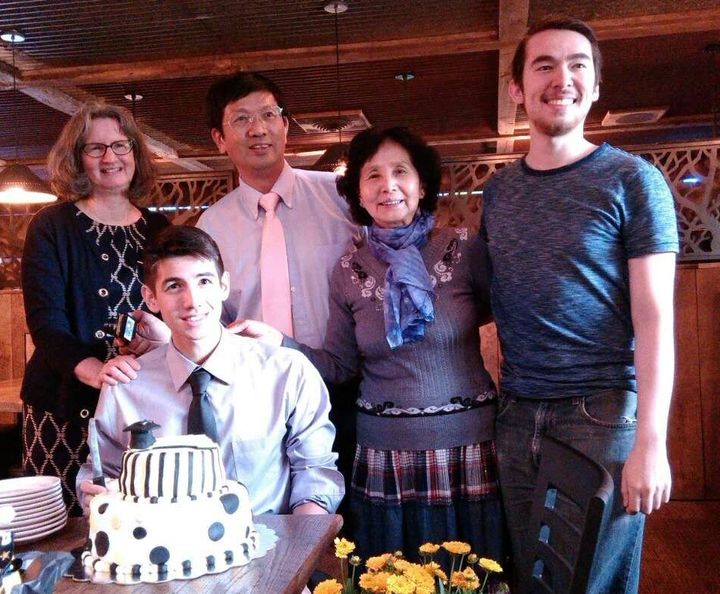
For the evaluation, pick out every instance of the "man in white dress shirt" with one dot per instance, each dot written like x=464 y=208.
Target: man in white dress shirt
x=269 y=404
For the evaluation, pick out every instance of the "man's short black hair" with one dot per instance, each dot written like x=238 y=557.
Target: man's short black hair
x=176 y=241
x=234 y=87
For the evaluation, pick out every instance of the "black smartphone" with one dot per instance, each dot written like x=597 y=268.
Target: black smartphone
x=125 y=328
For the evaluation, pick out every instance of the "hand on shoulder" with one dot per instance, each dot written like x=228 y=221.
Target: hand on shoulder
x=258 y=330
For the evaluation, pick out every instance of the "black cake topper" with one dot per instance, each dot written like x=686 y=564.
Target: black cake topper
x=141 y=436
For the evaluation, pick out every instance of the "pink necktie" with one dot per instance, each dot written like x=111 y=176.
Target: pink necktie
x=274 y=278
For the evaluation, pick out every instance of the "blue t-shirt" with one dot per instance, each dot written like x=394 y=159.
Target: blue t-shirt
x=559 y=242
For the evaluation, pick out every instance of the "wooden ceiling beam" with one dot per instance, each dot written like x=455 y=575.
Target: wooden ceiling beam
x=512 y=24
x=654 y=25
x=69 y=99
x=350 y=53
x=299 y=57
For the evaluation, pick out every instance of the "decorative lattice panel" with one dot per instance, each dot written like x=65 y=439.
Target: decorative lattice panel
x=182 y=197
x=697 y=203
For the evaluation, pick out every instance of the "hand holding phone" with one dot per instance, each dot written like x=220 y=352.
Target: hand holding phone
x=125 y=328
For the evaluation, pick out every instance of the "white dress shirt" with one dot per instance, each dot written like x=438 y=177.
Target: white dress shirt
x=318 y=230
x=271 y=408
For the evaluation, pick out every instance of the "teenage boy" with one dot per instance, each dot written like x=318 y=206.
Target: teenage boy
x=582 y=240
x=267 y=406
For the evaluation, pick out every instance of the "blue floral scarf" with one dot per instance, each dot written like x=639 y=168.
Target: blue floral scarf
x=408 y=300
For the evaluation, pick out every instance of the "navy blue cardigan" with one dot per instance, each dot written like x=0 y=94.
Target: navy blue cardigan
x=62 y=272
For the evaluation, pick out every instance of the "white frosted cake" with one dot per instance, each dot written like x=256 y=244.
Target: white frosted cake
x=175 y=515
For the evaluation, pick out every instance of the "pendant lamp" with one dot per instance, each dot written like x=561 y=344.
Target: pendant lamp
x=335 y=157
x=18 y=184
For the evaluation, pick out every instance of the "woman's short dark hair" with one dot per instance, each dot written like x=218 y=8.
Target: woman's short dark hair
x=176 y=241
x=424 y=158
x=561 y=23
x=234 y=87
x=67 y=175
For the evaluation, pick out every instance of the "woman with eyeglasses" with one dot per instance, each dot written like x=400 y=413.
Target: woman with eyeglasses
x=80 y=271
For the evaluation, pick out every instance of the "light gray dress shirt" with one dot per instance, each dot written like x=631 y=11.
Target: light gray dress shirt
x=271 y=408
x=318 y=230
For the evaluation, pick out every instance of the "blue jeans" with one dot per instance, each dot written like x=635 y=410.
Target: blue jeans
x=601 y=425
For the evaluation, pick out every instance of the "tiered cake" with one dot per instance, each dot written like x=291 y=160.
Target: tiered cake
x=175 y=515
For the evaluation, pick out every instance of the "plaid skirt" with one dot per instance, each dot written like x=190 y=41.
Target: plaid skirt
x=54 y=447
x=402 y=499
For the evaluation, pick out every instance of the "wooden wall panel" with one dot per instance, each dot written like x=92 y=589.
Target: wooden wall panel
x=708 y=282
x=19 y=332
x=685 y=425
x=490 y=350
x=5 y=334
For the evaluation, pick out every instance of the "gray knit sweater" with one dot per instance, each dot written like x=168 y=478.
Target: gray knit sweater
x=433 y=394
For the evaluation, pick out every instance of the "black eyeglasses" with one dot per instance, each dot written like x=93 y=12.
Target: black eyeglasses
x=98 y=149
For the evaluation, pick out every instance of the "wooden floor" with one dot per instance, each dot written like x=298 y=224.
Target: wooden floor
x=681 y=552
x=682 y=549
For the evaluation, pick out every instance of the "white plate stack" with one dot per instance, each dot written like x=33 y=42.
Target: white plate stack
x=38 y=504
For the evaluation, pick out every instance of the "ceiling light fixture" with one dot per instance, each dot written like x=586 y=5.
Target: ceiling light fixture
x=133 y=96
x=18 y=184
x=405 y=76
x=334 y=158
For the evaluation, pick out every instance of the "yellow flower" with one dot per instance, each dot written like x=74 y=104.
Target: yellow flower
x=490 y=565
x=434 y=570
x=343 y=548
x=417 y=574
x=328 y=587
x=401 y=564
x=472 y=580
x=377 y=563
x=374 y=582
x=399 y=584
x=456 y=547
x=458 y=580
x=429 y=548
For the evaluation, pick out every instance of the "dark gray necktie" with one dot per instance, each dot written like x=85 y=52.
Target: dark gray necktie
x=201 y=419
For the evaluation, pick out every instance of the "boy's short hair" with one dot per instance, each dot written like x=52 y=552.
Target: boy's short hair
x=176 y=241
x=561 y=23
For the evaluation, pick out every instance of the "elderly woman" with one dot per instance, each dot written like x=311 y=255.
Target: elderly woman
x=80 y=271
x=404 y=314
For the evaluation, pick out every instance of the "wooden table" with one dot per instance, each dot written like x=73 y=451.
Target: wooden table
x=283 y=570
x=10 y=396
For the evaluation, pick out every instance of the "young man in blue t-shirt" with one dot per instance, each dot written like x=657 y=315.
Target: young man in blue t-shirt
x=582 y=241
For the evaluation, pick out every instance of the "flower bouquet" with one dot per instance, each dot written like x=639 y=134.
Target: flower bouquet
x=392 y=574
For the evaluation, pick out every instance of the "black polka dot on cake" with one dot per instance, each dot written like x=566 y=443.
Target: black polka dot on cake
x=186 y=567
x=102 y=508
x=159 y=555
x=113 y=570
x=136 y=570
x=102 y=543
x=216 y=531
x=139 y=533
x=162 y=570
x=211 y=562
x=231 y=502
x=228 y=557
